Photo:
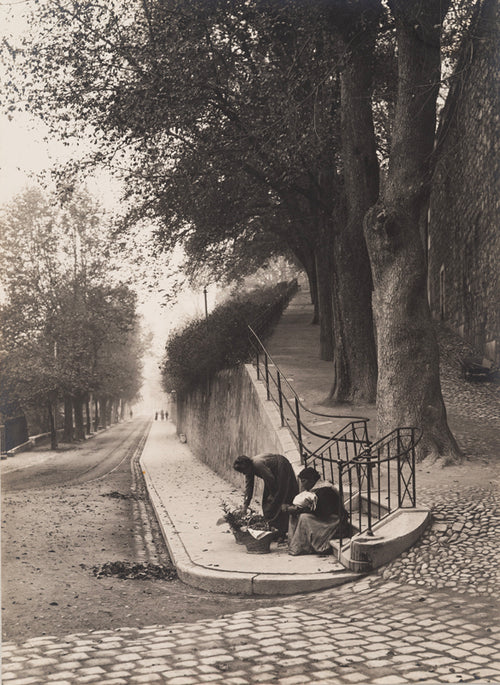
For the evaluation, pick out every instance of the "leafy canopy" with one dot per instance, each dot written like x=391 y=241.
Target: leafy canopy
x=66 y=326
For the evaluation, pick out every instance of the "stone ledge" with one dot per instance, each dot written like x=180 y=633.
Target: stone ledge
x=23 y=447
x=391 y=537
x=288 y=446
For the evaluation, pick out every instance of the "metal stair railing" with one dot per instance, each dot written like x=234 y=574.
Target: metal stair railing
x=292 y=410
x=367 y=482
x=365 y=472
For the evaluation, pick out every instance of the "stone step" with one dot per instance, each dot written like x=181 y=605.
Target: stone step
x=391 y=537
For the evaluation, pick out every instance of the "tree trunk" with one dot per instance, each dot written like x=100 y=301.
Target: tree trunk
x=96 y=414
x=324 y=268
x=103 y=411
x=355 y=356
x=313 y=290
x=409 y=391
x=52 y=425
x=68 y=419
x=88 y=425
x=109 y=412
x=355 y=359
x=78 y=409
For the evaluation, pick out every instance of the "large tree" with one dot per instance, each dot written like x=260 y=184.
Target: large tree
x=234 y=92
x=354 y=28
x=286 y=95
x=31 y=280
x=67 y=330
x=408 y=391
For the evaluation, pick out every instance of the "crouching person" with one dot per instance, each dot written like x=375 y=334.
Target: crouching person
x=316 y=516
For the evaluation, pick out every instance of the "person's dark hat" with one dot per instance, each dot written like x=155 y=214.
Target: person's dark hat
x=242 y=463
x=309 y=474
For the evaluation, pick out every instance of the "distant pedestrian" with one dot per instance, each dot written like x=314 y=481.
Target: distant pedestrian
x=131 y=414
x=166 y=414
x=156 y=416
x=162 y=414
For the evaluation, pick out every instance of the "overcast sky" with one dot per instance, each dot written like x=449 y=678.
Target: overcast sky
x=26 y=149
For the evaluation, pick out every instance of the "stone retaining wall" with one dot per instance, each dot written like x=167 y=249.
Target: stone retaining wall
x=229 y=416
x=464 y=217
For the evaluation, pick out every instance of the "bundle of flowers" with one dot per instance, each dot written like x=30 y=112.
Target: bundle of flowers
x=238 y=519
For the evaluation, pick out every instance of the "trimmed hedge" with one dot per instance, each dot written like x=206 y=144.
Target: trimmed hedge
x=197 y=352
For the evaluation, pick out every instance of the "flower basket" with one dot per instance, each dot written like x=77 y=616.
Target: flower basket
x=239 y=535
x=261 y=545
x=240 y=522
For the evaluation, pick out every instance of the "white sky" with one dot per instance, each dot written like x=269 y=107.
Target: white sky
x=26 y=149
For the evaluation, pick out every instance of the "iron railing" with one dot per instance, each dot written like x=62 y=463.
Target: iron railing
x=370 y=477
x=376 y=481
x=294 y=414
x=347 y=444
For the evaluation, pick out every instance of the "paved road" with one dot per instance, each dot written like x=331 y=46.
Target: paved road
x=373 y=632
x=430 y=617
x=66 y=514
x=34 y=471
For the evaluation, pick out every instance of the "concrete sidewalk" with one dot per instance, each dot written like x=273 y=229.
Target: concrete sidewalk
x=187 y=497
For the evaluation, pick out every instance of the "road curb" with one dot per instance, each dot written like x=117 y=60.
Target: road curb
x=234 y=582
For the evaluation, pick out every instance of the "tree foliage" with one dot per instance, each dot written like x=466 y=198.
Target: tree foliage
x=267 y=123
x=223 y=113
x=67 y=329
x=195 y=353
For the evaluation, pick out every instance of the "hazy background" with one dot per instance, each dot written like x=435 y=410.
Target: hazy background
x=28 y=149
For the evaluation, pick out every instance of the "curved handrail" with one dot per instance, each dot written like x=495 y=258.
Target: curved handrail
x=339 y=437
x=366 y=456
x=415 y=437
x=353 y=427
x=310 y=411
x=293 y=411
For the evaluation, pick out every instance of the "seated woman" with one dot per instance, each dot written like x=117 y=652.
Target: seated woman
x=316 y=515
x=280 y=486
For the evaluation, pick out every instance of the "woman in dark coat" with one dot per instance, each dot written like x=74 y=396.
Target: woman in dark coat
x=317 y=516
x=280 y=486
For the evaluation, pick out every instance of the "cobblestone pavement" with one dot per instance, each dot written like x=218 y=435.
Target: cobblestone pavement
x=370 y=632
x=430 y=616
x=461 y=550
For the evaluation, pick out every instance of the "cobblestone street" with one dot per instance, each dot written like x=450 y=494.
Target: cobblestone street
x=460 y=551
x=429 y=616
x=373 y=631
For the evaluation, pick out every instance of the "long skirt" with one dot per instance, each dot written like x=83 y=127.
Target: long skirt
x=286 y=491
x=307 y=534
